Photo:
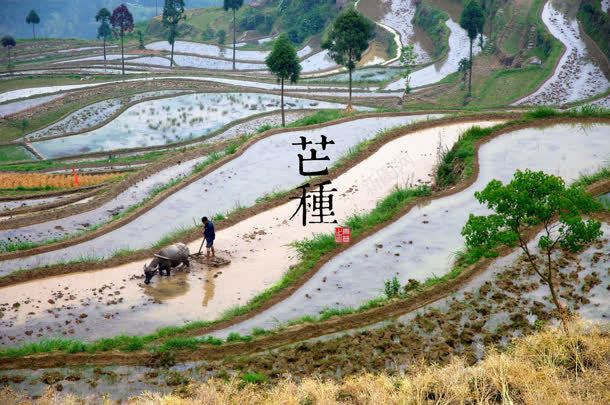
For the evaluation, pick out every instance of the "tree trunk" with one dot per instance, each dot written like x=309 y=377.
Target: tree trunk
x=234 y=34
x=470 y=75
x=171 y=61
x=349 y=104
x=560 y=308
x=33 y=31
x=122 y=53
x=8 y=49
x=283 y=116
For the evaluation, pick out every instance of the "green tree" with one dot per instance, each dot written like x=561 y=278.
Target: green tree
x=464 y=68
x=284 y=63
x=407 y=61
x=173 y=12
x=348 y=38
x=233 y=5
x=530 y=199
x=122 y=22
x=222 y=37
x=472 y=20
x=103 y=31
x=8 y=42
x=32 y=18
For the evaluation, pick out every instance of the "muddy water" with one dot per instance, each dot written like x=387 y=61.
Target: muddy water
x=164 y=121
x=399 y=16
x=459 y=48
x=204 y=293
x=7 y=205
x=236 y=184
x=423 y=242
x=577 y=76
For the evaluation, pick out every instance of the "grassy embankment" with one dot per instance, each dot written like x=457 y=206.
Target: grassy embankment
x=494 y=86
x=596 y=24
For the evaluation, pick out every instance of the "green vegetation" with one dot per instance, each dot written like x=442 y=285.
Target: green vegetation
x=347 y=40
x=530 y=199
x=173 y=13
x=596 y=23
x=254 y=378
x=14 y=153
x=432 y=21
x=283 y=62
x=472 y=20
x=458 y=162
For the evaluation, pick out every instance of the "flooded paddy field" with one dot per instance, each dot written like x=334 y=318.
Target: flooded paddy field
x=203 y=293
x=18 y=106
x=170 y=120
x=226 y=188
x=423 y=242
x=94 y=114
x=577 y=75
x=459 y=48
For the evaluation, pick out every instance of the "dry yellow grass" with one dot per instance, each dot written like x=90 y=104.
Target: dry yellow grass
x=546 y=368
x=43 y=180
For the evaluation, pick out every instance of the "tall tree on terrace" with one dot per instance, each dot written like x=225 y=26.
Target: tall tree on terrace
x=284 y=63
x=32 y=18
x=122 y=22
x=173 y=12
x=472 y=20
x=233 y=5
x=347 y=40
x=532 y=199
x=8 y=42
x=103 y=31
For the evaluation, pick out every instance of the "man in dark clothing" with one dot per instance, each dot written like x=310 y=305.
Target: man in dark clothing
x=209 y=235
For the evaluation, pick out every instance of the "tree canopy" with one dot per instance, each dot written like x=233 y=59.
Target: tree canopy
x=8 y=42
x=534 y=199
x=232 y=4
x=349 y=38
x=283 y=61
x=121 y=20
x=103 y=17
x=173 y=13
x=32 y=17
x=472 y=19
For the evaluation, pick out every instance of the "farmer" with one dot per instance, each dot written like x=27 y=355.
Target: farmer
x=209 y=235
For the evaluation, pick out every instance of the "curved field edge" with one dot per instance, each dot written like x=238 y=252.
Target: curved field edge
x=176 y=338
x=215 y=162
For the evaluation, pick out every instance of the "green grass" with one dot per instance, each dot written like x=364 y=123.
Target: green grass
x=14 y=153
x=320 y=117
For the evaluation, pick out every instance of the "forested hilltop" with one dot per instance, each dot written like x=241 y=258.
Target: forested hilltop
x=74 y=18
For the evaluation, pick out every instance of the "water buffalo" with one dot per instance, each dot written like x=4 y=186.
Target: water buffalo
x=167 y=258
